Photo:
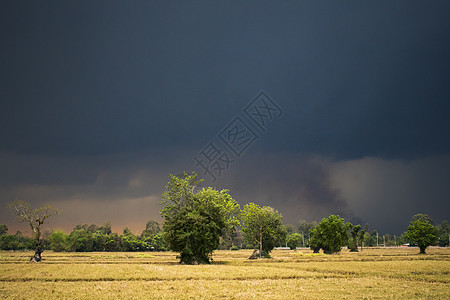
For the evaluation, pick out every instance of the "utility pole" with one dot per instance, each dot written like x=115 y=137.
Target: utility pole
x=377 y=239
x=384 y=240
x=303 y=237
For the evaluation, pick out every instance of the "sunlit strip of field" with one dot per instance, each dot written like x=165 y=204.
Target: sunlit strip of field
x=371 y=274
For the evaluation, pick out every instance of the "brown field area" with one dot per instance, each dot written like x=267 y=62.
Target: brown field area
x=390 y=273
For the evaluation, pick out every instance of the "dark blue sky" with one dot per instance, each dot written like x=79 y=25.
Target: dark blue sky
x=102 y=100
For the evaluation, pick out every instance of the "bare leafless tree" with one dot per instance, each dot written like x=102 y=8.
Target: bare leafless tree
x=35 y=217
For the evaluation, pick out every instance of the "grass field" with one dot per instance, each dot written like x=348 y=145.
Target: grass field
x=393 y=273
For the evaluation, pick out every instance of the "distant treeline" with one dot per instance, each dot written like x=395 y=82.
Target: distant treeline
x=87 y=238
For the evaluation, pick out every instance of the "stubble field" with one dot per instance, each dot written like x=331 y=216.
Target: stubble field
x=392 y=273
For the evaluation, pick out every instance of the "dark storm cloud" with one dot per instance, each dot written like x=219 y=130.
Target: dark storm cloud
x=122 y=189
x=95 y=93
x=386 y=193
x=96 y=79
x=298 y=186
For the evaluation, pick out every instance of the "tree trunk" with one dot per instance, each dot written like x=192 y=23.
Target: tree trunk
x=255 y=255
x=422 y=249
x=37 y=256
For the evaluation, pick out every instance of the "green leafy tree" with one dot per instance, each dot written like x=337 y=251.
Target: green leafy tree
x=423 y=217
x=35 y=217
x=3 y=229
x=262 y=227
x=315 y=239
x=131 y=242
x=151 y=228
x=290 y=228
x=105 y=228
x=304 y=228
x=421 y=232
x=127 y=231
x=443 y=233
x=10 y=242
x=58 y=241
x=194 y=222
x=81 y=240
x=158 y=242
x=363 y=235
x=294 y=240
x=355 y=232
x=330 y=235
x=113 y=242
x=98 y=241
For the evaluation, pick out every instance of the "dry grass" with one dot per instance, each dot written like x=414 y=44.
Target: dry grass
x=371 y=274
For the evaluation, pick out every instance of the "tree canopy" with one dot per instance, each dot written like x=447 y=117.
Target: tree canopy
x=421 y=232
x=293 y=240
x=3 y=229
x=330 y=235
x=194 y=222
x=443 y=233
x=262 y=227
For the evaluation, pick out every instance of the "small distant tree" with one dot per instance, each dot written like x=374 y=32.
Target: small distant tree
x=330 y=235
x=262 y=227
x=112 y=242
x=354 y=234
x=58 y=241
x=158 y=242
x=294 y=240
x=35 y=217
x=80 y=240
x=290 y=229
x=127 y=231
x=363 y=235
x=304 y=228
x=194 y=221
x=3 y=229
x=105 y=228
x=151 y=228
x=443 y=233
x=421 y=232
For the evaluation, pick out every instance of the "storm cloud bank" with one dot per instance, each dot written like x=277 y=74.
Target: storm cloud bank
x=102 y=101
x=126 y=190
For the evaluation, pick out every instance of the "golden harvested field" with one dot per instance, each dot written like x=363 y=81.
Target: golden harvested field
x=393 y=273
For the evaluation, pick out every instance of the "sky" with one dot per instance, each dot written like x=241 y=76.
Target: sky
x=311 y=107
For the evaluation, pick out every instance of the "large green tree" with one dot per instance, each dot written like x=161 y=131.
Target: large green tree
x=262 y=227
x=330 y=235
x=421 y=232
x=35 y=217
x=194 y=221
